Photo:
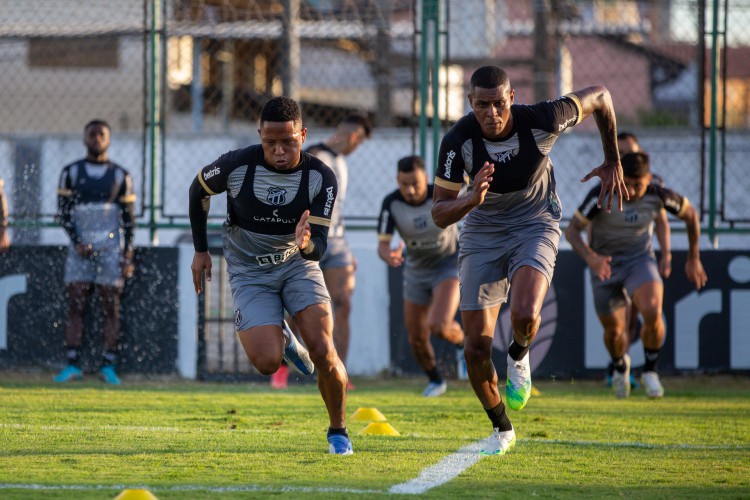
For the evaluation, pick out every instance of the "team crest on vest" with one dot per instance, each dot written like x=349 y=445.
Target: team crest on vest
x=276 y=195
x=504 y=156
x=631 y=215
x=420 y=222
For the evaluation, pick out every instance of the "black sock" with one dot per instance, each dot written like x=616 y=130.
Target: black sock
x=517 y=351
x=652 y=359
x=434 y=375
x=110 y=358
x=619 y=364
x=72 y=353
x=333 y=430
x=499 y=418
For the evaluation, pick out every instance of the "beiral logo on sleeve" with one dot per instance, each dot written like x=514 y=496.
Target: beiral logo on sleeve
x=449 y=162
x=329 y=201
x=214 y=171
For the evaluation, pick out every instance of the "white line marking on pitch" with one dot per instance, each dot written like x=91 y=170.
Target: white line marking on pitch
x=443 y=471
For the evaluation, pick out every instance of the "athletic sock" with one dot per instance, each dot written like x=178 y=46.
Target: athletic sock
x=499 y=418
x=517 y=351
x=73 y=353
x=332 y=431
x=110 y=358
x=434 y=375
x=652 y=359
x=619 y=364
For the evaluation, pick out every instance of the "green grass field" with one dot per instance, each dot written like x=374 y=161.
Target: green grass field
x=198 y=440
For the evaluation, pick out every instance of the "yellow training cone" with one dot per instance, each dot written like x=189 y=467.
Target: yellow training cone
x=380 y=429
x=535 y=391
x=136 y=494
x=367 y=415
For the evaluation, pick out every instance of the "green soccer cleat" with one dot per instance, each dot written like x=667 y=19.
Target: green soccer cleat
x=518 y=383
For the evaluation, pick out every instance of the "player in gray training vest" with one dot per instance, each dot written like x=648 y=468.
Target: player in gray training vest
x=623 y=265
x=279 y=203
x=511 y=230
x=431 y=271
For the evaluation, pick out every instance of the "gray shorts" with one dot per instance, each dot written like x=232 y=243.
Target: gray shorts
x=487 y=261
x=102 y=268
x=420 y=282
x=627 y=277
x=261 y=294
x=337 y=254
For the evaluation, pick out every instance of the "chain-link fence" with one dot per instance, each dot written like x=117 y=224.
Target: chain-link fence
x=183 y=81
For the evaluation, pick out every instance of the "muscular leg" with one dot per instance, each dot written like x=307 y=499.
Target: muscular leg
x=480 y=329
x=440 y=319
x=264 y=346
x=648 y=299
x=528 y=288
x=615 y=338
x=340 y=283
x=316 y=326
x=415 y=318
x=78 y=297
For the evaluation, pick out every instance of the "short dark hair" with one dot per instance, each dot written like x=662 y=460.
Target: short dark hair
x=97 y=121
x=627 y=135
x=411 y=163
x=635 y=164
x=361 y=121
x=281 y=109
x=489 y=77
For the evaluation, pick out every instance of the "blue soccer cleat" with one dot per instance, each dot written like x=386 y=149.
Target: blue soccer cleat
x=109 y=375
x=68 y=374
x=295 y=353
x=339 y=444
x=435 y=389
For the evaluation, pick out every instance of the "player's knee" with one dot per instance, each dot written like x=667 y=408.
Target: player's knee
x=526 y=322
x=440 y=329
x=478 y=350
x=342 y=305
x=322 y=352
x=265 y=363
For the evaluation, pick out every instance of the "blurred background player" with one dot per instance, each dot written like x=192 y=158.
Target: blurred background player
x=4 y=239
x=627 y=142
x=430 y=281
x=279 y=203
x=623 y=265
x=338 y=264
x=95 y=207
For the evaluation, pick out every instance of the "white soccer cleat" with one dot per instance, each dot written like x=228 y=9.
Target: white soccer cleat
x=621 y=380
x=652 y=384
x=435 y=389
x=518 y=383
x=295 y=354
x=499 y=442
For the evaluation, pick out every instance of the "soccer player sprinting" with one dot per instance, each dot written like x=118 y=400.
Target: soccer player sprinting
x=431 y=273
x=279 y=203
x=511 y=231
x=623 y=265
x=95 y=207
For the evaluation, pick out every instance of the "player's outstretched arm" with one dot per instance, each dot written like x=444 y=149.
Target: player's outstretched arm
x=448 y=208
x=198 y=205
x=694 y=267
x=598 y=101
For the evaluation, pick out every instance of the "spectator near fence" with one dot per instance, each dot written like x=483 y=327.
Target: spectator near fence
x=95 y=207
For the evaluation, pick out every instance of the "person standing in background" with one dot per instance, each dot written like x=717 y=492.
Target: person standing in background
x=95 y=207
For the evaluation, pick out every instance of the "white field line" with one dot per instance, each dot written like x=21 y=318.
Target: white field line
x=444 y=471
